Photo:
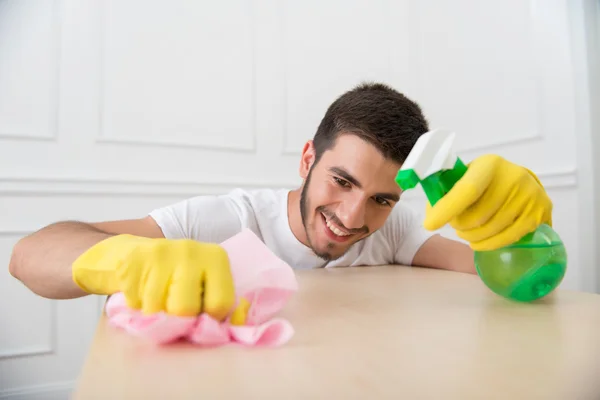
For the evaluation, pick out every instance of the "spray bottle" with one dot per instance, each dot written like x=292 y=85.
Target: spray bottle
x=526 y=270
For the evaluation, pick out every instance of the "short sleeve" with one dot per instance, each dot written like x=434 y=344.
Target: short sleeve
x=202 y=218
x=406 y=231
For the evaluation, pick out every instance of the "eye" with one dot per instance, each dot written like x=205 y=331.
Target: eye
x=341 y=182
x=381 y=201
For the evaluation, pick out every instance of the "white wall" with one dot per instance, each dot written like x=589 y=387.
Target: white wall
x=111 y=108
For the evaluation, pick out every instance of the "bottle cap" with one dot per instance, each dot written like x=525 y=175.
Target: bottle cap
x=432 y=163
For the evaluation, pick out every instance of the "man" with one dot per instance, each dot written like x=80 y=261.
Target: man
x=347 y=212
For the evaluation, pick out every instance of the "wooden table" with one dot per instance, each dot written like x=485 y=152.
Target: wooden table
x=375 y=333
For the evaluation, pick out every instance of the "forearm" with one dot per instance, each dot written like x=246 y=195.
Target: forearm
x=444 y=253
x=42 y=261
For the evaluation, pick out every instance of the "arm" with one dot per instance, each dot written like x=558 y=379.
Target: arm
x=42 y=261
x=443 y=253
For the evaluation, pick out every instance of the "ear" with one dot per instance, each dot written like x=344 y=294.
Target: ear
x=307 y=159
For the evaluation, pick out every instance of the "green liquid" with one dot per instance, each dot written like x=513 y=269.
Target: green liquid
x=526 y=270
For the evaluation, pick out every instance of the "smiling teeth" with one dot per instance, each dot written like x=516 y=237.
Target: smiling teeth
x=334 y=229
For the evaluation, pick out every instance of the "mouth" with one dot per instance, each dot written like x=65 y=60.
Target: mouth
x=335 y=232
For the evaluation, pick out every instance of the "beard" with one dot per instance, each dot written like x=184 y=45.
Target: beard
x=326 y=254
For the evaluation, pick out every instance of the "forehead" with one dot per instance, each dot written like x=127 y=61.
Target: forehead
x=363 y=161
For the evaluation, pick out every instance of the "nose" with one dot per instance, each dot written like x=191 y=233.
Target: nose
x=352 y=213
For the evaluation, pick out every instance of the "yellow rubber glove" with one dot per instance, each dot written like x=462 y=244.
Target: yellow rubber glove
x=493 y=205
x=181 y=277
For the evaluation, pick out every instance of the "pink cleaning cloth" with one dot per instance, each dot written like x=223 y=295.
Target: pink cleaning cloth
x=259 y=276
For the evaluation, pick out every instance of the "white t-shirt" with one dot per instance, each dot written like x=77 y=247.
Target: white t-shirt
x=264 y=212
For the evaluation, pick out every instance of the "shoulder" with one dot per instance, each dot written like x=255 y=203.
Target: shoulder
x=256 y=200
x=258 y=195
x=249 y=199
x=404 y=232
x=214 y=217
x=402 y=219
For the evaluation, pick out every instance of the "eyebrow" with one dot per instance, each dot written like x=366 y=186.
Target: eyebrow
x=346 y=175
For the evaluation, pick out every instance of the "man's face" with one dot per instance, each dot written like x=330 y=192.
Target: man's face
x=347 y=195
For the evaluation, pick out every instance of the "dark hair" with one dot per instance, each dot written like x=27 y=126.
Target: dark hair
x=379 y=115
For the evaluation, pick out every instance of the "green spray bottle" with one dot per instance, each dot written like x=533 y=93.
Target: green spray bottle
x=526 y=270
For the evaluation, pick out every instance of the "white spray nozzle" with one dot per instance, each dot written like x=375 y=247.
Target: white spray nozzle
x=433 y=152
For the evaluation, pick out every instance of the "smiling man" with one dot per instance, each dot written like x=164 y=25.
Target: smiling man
x=347 y=212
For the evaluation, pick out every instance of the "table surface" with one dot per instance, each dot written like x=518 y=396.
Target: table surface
x=375 y=332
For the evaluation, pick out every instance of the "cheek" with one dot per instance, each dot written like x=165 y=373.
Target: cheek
x=324 y=195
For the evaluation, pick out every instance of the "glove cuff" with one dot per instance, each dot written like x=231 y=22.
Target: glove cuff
x=549 y=221
x=95 y=271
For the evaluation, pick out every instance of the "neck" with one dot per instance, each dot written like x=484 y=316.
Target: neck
x=295 y=217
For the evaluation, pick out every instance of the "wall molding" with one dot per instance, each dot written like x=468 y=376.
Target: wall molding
x=585 y=44
x=529 y=137
x=49 y=391
x=552 y=180
x=53 y=185
x=36 y=350
x=30 y=134
x=15 y=232
x=80 y=186
x=26 y=352
x=558 y=179
x=104 y=137
x=181 y=144
x=48 y=348
x=9 y=134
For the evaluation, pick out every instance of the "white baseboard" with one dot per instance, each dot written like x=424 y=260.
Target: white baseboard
x=51 y=391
